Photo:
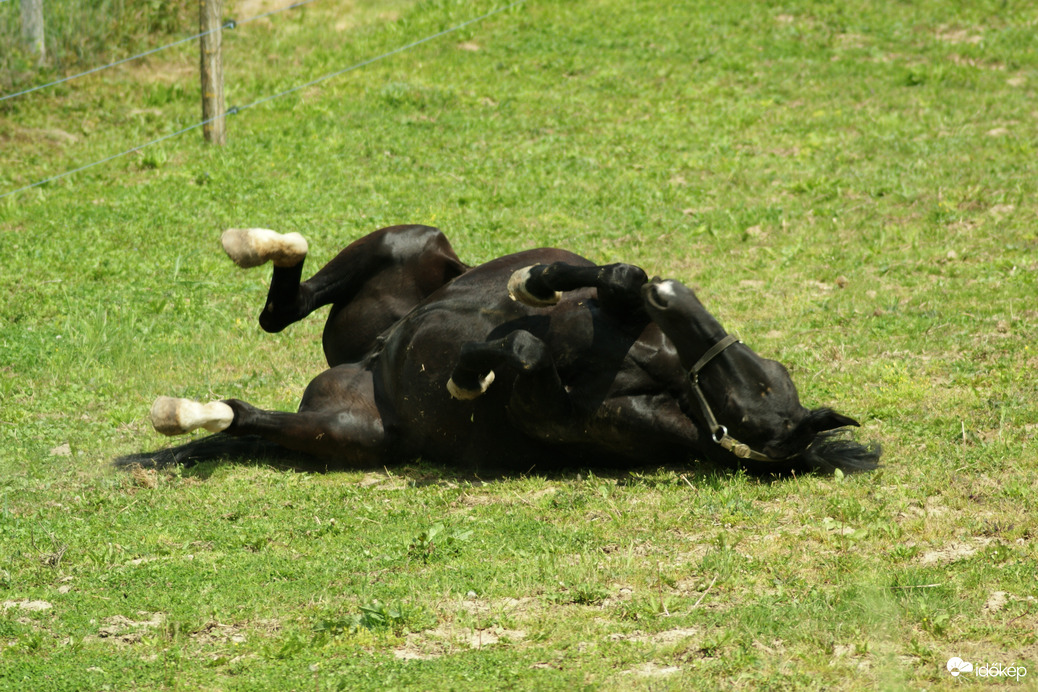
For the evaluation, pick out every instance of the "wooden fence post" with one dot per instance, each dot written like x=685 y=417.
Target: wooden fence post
x=32 y=28
x=210 y=12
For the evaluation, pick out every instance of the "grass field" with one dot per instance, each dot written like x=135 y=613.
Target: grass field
x=84 y=34
x=850 y=186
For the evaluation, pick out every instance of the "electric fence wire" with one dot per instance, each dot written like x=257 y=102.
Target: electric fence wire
x=369 y=61
x=237 y=109
x=228 y=25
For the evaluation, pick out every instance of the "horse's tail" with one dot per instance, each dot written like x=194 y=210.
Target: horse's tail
x=213 y=447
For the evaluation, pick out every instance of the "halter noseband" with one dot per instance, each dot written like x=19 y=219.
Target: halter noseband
x=719 y=432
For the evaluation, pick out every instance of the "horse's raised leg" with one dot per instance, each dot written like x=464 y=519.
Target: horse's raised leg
x=370 y=284
x=537 y=394
x=337 y=419
x=619 y=285
x=254 y=247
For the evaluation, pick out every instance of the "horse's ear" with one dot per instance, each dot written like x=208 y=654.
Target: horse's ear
x=824 y=419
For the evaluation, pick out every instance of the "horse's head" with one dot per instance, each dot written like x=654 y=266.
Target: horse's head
x=749 y=404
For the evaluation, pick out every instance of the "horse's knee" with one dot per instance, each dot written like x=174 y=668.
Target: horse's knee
x=520 y=351
x=426 y=253
x=626 y=278
x=619 y=288
x=527 y=352
x=347 y=429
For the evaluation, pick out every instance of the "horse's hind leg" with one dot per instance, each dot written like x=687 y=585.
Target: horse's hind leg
x=618 y=285
x=372 y=283
x=337 y=419
x=171 y=416
x=253 y=247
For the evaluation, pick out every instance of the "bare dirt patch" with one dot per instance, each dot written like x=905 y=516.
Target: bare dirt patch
x=447 y=639
x=245 y=9
x=144 y=478
x=453 y=636
x=121 y=630
x=53 y=137
x=953 y=552
x=483 y=499
x=217 y=633
x=651 y=670
x=181 y=71
x=383 y=481
x=514 y=607
x=664 y=638
x=958 y=35
x=26 y=605
x=996 y=602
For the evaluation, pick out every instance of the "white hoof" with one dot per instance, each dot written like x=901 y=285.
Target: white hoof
x=517 y=291
x=469 y=394
x=252 y=247
x=171 y=416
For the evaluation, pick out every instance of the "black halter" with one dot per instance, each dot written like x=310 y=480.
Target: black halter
x=719 y=432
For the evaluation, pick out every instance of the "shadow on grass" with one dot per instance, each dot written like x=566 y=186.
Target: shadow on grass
x=202 y=457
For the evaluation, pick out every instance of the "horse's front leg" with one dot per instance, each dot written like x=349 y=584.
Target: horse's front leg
x=618 y=285
x=538 y=395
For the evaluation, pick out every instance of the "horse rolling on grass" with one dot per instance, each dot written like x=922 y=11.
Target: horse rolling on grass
x=537 y=360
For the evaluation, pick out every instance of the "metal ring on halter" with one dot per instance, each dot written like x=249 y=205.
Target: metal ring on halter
x=720 y=433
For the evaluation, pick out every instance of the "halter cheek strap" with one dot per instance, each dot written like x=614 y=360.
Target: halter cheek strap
x=719 y=432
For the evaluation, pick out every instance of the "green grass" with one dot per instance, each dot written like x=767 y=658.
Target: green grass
x=80 y=35
x=849 y=186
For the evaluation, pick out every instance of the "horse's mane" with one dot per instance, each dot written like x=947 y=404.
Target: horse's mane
x=832 y=450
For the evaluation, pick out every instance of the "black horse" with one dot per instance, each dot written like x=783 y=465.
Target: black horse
x=532 y=361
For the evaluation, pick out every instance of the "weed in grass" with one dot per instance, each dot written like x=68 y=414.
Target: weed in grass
x=373 y=615
x=435 y=541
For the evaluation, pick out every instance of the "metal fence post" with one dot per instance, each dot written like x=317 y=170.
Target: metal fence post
x=213 y=109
